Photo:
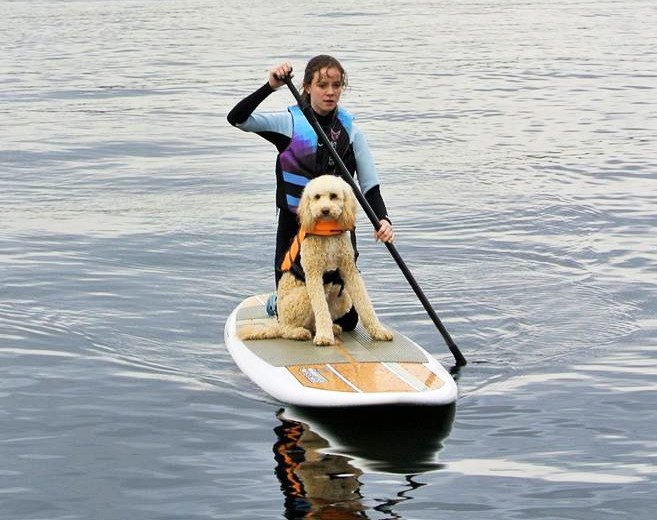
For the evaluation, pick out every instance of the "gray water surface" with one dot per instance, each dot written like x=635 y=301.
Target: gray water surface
x=516 y=144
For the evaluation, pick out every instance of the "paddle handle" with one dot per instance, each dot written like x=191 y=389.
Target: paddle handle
x=310 y=116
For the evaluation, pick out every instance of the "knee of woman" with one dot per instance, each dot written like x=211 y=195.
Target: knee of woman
x=348 y=321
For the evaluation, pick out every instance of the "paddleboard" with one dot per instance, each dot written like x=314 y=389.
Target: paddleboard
x=356 y=371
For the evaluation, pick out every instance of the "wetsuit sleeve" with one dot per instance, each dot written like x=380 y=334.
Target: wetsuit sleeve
x=245 y=108
x=275 y=127
x=271 y=123
x=374 y=198
x=365 y=169
x=368 y=178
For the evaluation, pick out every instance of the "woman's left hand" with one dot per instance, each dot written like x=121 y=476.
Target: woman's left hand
x=385 y=232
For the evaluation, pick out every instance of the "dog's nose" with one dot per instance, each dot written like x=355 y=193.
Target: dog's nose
x=325 y=211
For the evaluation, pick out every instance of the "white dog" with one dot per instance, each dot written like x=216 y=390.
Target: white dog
x=326 y=212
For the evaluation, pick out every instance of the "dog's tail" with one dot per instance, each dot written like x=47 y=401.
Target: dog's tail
x=260 y=331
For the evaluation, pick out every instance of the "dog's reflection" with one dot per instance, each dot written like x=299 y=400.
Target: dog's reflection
x=315 y=484
x=321 y=478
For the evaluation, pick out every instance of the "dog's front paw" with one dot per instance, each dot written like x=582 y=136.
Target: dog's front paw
x=337 y=330
x=323 y=340
x=381 y=334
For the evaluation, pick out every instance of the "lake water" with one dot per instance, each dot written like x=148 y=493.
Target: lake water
x=517 y=147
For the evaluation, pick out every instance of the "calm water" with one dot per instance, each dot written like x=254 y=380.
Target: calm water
x=517 y=145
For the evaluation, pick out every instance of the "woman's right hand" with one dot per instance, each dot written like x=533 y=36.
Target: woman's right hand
x=277 y=74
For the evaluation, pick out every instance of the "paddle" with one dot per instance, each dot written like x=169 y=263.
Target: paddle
x=312 y=119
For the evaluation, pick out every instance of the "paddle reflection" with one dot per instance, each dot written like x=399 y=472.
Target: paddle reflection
x=321 y=454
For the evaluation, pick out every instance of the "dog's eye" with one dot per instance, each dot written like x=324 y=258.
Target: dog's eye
x=333 y=196
x=317 y=196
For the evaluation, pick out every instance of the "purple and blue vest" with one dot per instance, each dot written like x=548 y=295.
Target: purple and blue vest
x=300 y=162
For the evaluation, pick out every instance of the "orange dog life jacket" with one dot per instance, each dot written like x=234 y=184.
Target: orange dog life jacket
x=322 y=228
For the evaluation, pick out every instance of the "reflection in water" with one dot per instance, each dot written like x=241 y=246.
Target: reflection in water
x=320 y=455
x=315 y=484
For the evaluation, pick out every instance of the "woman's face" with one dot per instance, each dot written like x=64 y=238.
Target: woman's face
x=325 y=90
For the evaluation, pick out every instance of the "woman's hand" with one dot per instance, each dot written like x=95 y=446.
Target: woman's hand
x=385 y=232
x=277 y=74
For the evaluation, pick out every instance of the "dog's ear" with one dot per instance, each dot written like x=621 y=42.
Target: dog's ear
x=348 y=217
x=304 y=213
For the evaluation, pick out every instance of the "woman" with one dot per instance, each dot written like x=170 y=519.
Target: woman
x=302 y=157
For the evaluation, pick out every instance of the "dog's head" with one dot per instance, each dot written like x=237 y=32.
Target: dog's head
x=327 y=198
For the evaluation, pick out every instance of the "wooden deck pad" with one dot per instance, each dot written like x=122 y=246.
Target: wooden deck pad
x=367 y=377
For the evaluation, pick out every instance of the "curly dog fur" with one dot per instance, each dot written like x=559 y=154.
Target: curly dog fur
x=311 y=307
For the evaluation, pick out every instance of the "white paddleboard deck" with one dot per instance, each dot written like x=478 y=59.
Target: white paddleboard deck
x=356 y=371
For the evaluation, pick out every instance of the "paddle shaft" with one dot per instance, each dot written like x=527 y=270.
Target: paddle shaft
x=310 y=116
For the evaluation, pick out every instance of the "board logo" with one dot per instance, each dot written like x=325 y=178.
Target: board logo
x=314 y=376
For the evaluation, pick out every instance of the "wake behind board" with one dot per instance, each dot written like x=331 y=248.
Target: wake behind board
x=356 y=371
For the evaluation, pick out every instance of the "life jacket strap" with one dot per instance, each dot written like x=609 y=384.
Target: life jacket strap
x=293 y=252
